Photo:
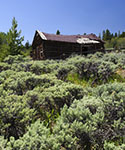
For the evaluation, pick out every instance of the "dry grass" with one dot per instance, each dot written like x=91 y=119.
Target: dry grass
x=121 y=72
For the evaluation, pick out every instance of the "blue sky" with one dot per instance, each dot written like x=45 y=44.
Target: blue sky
x=69 y=16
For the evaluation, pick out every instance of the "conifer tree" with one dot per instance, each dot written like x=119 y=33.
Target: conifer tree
x=116 y=35
x=103 y=35
x=57 y=32
x=27 y=45
x=14 y=39
x=100 y=35
x=108 y=35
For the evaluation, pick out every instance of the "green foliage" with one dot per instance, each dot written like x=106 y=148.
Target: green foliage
x=41 y=109
x=93 y=69
x=3 y=51
x=81 y=120
x=27 y=45
x=40 y=67
x=113 y=97
x=112 y=146
x=3 y=143
x=74 y=78
x=57 y=32
x=63 y=71
x=14 y=40
x=15 y=59
x=3 y=46
x=48 y=101
x=3 y=39
x=68 y=133
x=24 y=81
x=26 y=49
x=113 y=40
x=116 y=43
x=15 y=115
x=122 y=34
x=37 y=137
x=4 y=66
x=106 y=35
x=118 y=59
x=11 y=43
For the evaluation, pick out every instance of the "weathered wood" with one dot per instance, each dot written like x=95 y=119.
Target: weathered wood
x=46 y=49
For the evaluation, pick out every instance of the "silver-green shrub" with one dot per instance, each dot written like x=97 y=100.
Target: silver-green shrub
x=15 y=115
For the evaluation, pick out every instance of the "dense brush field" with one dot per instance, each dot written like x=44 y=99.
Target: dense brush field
x=72 y=104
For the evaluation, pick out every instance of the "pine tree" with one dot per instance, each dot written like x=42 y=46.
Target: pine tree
x=119 y=33
x=57 y=32
x=100 y=35
x=116 y=35
x=108 y=35
x=14 y=39
x=27 y=45
x=122 y=35
x=103 y=35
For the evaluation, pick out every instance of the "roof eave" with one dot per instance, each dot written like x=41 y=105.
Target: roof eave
x=41 y=35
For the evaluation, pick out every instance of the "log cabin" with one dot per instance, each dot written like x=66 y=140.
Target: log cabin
x=52 y=46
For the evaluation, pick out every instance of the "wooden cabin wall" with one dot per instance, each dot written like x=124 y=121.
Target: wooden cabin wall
x=92 y=48
x=60 y=50
x=37 y=48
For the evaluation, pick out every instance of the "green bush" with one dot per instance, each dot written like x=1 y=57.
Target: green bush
x=73 y=129
x=15 y=115
x=21 y=82
x=112 y=146
x=48 y=101
x=113 y=97
x=16 y=59
x=3 y=143
x=37 y=137
x=43 y=67
x=41 y=109
x=79 y=122
x=4 y=66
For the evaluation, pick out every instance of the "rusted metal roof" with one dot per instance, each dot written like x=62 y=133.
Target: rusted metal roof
x=86 y=41
x=81 y=39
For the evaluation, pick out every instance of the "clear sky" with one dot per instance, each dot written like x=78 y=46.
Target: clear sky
x=69 y=16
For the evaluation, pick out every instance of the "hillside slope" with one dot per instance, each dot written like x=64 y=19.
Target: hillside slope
x=71 y=104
